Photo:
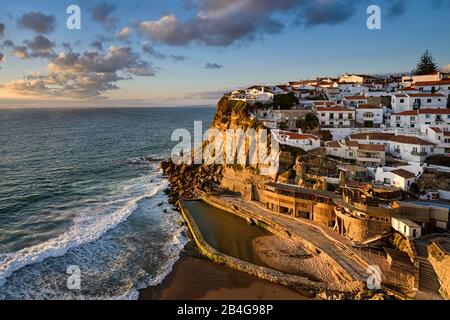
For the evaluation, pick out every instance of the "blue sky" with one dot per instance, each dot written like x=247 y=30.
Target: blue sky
x=243 y=42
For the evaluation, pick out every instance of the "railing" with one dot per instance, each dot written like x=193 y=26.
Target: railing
x=418 y=153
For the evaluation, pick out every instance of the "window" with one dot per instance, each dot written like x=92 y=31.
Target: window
x=412 y=119
x=402 y=100
x=350 y=116
x=427 y=116
x=429 y=100
x=398 y=118
x=322 y=114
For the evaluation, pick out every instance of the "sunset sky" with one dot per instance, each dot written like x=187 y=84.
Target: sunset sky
x=188 y=52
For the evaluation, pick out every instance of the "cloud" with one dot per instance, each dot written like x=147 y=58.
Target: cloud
x=446 y=69
x=178 y=58
x=396 y=8
x=40 y=47
x=97 y=45
x=325 y=12
x=38 y=22
x=123 y=34
x=150 y=50
x=87 y=75
x=2 y=30
x=213 y=66
x=16 y=51
x=225 y=22
x=101 y=13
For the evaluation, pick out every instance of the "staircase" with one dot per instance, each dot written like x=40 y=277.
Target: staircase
x=428 y=279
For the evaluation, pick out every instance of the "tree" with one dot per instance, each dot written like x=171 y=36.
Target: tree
x=285 y=101
x=426 y=65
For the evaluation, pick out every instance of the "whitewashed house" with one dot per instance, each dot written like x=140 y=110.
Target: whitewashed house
x=369 y=116
x=399 y=178
x=406 y=227
x=442 y=86
x=419 y=118
x=366 y=155
x=407 y=148
x=440 y=136
x=343 y=149
x=354 y=101
x=337 y=117
x=352 y=89
x=411 y=80
x=304 y=141
x=403 y=102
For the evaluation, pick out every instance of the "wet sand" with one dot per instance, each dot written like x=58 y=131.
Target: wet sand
x=195 y=278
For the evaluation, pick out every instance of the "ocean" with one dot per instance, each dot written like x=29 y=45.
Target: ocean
x=81 y=189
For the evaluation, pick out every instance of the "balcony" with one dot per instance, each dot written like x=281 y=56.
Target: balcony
x=419 y=153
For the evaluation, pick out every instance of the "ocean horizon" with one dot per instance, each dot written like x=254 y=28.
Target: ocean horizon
x=83 y=187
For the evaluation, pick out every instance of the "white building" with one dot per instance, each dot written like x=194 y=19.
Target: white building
x=335 y=116
x=399 y=178
x=407 y=148
x=304 y=141
x=369 y=116
x=406 y=227
x=352 y=89
x=439 y=136
x=404 y=102
x=410 y=80
x=344 y=149
x=367 y=155
x=256 y=94
x=419 y=118
x=442 y=86
x=354 y=101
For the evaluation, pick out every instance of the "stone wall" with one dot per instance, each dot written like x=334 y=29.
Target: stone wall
x=440 y=260
x=361 y=230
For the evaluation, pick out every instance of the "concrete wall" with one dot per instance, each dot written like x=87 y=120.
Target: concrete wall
x=361 y=230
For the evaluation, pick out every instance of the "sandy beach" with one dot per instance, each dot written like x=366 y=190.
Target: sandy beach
x=195 y=278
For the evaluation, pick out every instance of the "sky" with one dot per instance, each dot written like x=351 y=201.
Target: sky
x=189 y=52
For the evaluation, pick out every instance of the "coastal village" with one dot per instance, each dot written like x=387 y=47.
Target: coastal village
x=364 y=181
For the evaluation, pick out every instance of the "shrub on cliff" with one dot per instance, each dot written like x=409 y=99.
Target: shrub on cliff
x=285 y=101
x=438 y=160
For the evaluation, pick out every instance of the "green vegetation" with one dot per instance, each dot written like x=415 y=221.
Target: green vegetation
x=309 y=123
x=285 y=101
x=438 y=160
x=426 y=65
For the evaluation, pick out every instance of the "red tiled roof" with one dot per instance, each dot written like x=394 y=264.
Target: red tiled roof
x=333 y=144
x=372 y=136
x=369 y=106
x=436 y=129
x=407 y=113
x=334 y=109
x=300 y=136
x=355 y=98
x=434 y=111
x=432 y=83
x=371 y=147
x=418 y=95
x=411 y=140
x=408 y=89
x=350 y=143
x=324 y=103
x=404 y=173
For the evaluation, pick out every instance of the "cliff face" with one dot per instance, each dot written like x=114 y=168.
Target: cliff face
x=187 y=179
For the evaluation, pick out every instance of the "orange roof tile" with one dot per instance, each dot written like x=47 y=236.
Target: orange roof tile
x=404 y=173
